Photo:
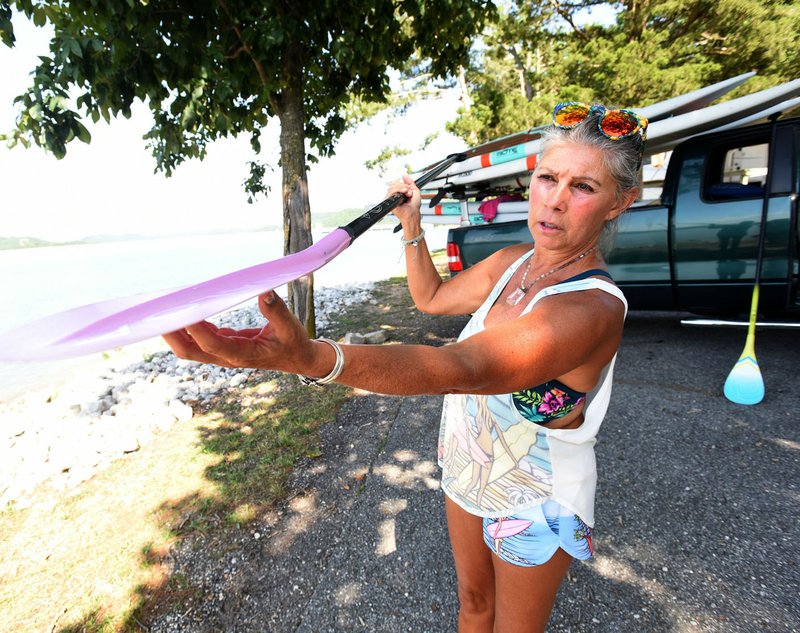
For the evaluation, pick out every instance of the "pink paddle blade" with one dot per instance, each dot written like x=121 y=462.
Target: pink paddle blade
x=107 y=324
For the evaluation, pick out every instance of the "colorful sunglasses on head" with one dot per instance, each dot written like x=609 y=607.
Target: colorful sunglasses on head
x=613 y=124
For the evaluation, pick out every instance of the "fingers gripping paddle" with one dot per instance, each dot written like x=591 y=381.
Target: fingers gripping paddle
x=745 y=384
x=101 y=326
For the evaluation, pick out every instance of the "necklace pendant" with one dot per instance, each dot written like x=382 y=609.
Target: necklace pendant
x=515 y=297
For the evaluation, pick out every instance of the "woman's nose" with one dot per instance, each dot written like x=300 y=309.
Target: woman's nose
x=556 y=196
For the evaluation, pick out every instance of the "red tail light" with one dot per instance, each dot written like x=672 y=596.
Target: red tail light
x=454 y=258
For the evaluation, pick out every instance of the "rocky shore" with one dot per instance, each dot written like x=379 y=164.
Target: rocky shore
x=64 y=435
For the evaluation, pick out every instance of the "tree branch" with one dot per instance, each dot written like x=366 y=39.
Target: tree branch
x=688 y=22
x=262 y=75
x=567 y=16
x=236 y=53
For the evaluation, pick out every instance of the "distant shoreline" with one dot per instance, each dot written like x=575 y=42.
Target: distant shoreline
x=26 y=242
x=324 y=220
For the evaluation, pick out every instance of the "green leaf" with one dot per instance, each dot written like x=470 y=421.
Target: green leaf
x=188 y=117
x=75 y=47
x=82 y=133
x=57 y=103
x=6 y=26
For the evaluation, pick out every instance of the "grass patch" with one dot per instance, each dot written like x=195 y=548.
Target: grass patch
x=88 y=562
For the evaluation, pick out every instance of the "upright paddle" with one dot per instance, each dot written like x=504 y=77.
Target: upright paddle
x=745 y=384
x=100 y=326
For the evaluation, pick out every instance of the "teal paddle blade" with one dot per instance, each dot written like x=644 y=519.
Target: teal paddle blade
x=744 y=384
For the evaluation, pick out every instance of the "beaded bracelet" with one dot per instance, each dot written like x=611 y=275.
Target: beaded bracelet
x=338 y=366
x=414 y=241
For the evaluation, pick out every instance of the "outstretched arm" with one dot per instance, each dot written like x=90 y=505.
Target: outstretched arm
x=565 y=334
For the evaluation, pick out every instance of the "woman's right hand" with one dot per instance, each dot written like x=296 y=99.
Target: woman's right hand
x=409 y=211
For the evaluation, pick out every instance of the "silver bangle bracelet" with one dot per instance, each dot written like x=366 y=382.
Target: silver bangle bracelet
x=414 y=241
x=338 y=366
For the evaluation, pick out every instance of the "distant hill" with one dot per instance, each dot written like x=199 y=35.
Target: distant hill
x=9 y=243
x=336 y=219
x=326 y=220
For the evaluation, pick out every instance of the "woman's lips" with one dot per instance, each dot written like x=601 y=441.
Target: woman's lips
x=548 y=227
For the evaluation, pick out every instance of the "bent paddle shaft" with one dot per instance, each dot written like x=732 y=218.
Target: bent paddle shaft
x=101 y=326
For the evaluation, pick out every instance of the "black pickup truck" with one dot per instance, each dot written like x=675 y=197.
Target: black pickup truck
x=695 y=248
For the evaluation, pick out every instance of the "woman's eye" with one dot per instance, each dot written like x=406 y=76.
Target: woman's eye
x=545 y=177
x=584 y=187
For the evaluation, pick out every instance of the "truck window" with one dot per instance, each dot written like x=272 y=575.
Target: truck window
x=736 y=172
x=654 y=170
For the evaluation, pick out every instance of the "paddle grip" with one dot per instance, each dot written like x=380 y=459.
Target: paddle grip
x=379 y=211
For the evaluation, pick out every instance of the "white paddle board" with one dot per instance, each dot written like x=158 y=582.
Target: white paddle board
x=668 y=108
x=662 y=135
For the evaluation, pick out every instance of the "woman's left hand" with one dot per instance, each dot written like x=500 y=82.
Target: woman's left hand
x=281 y=344
x=408 y=211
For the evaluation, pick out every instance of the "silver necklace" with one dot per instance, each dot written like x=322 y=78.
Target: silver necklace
x=519 y=294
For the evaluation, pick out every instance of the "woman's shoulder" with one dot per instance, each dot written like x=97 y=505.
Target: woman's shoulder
x=492 y=268
x=595 y=299
x=598 y=288
x=516 y=251
x=503 y=259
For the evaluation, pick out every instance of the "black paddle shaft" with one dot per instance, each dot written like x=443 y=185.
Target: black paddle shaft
x=762 y=233
x=379 y=211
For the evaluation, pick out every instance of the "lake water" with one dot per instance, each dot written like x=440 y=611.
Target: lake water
x=40 y=281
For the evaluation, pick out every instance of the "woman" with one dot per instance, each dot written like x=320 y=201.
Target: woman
x=527 y=383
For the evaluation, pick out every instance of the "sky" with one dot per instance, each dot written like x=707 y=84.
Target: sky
x=108 y=186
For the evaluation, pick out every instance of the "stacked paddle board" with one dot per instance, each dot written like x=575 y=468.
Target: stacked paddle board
x=505 y=164
x=454 y=212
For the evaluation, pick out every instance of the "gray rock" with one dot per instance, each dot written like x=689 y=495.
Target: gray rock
x=376 y=338
x=238 y=380
x=180 y=411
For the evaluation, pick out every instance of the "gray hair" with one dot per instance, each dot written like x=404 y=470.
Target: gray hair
x=622 y=158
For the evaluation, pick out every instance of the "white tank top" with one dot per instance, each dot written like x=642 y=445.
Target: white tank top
x=496 y=462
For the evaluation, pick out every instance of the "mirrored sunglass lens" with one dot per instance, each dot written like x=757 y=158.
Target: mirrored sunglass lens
x=618 y=124
x=570 y=114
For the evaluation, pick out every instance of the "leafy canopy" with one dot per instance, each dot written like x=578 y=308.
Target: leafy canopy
x=212 y=69
x=537 y=53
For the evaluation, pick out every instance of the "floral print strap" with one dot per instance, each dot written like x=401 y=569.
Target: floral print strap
x=546 y=402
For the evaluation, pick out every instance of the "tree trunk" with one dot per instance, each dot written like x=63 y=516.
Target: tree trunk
x=296 y=208
x=525 y=87
x=466 y=99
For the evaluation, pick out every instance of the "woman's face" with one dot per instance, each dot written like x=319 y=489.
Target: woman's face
x=572 y=195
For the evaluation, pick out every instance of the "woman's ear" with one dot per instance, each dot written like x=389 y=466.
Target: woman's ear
x=626 y=199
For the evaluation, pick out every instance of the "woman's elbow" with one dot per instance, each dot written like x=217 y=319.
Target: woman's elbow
x=428 y=305
x=426 y=308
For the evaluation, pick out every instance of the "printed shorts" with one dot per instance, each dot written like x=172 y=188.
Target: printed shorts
x=532 y=536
